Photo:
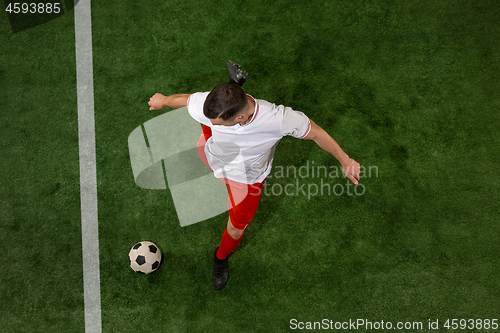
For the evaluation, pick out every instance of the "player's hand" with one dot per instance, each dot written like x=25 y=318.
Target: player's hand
x=157 y=101
x=351 y=169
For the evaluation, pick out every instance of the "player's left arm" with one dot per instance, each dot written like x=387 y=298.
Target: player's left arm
x=350 y=167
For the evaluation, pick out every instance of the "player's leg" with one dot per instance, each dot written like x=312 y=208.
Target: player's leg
x=234 y=232
x=206 y=133
x=247 y=198
x=231 y=238
x=243 y=202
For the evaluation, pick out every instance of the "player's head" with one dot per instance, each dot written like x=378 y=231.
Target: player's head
x=226 y=101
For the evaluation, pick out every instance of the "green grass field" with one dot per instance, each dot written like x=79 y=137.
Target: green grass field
x=409 y=88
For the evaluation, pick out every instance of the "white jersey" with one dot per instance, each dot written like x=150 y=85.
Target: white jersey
x=244 y=153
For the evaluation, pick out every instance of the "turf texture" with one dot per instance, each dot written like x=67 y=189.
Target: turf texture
x=409 y=89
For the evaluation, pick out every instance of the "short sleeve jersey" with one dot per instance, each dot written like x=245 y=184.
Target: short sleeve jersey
x=244 y=153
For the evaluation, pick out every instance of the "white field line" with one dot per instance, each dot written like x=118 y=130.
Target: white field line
x=88 y=182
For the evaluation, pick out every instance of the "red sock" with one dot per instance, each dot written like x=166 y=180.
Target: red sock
x=227 y=245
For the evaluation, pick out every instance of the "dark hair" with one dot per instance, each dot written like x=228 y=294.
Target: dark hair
x=226 y=101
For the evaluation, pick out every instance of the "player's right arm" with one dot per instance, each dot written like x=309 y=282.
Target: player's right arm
x=175 y=101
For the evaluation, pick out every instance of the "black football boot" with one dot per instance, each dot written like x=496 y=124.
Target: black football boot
x=221 y=272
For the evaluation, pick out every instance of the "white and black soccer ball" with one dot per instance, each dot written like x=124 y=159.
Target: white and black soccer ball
x=144 y=257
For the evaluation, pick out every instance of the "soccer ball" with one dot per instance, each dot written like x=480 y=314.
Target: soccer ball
x=144 y=257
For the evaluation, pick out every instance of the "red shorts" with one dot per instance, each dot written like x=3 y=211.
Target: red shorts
x=243 y=199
